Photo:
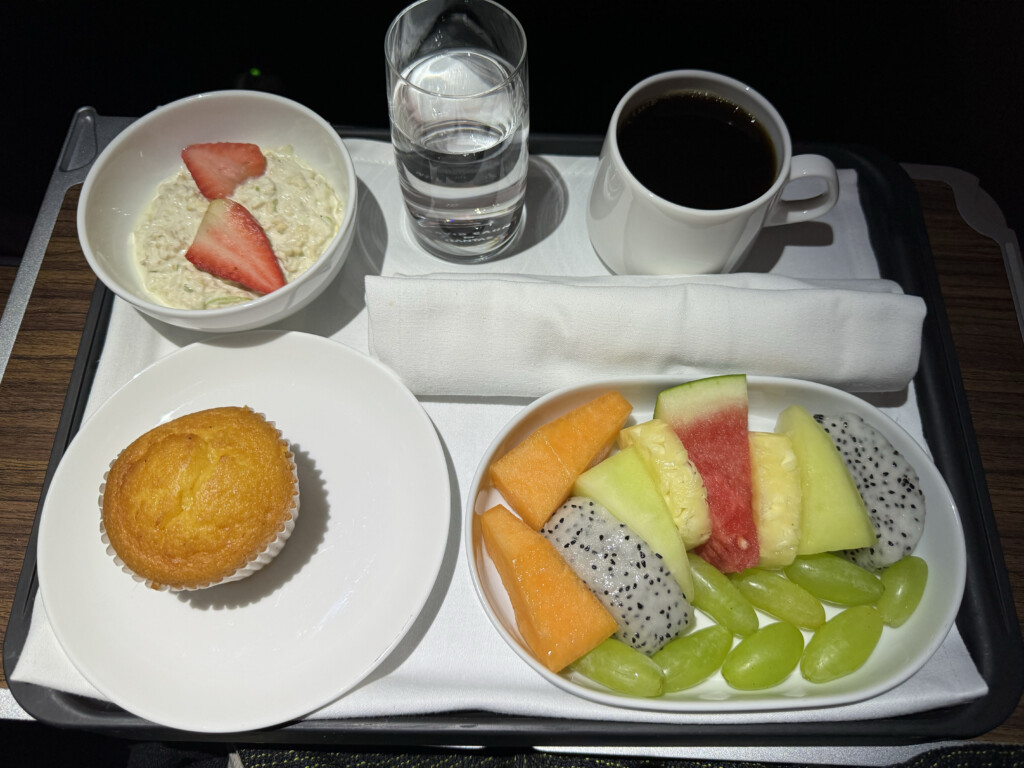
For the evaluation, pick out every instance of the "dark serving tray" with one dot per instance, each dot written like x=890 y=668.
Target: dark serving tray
x=987 y=620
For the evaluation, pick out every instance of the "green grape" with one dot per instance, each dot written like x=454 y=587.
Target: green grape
x=718 y=597
x=830 y=577
x=904 y=583
x=765 y=658
x=842 y=644
x=687 y=660
x=621 y=668
x=775 y=594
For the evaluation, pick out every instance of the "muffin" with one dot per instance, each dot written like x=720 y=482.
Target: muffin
x=207 y=498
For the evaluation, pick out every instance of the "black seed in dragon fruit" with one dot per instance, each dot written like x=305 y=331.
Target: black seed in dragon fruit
x=628 y=577
x=888 y=484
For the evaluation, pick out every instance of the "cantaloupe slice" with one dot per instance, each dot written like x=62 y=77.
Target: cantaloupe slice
x=536 y=476
x=557 y=614
x=832 y=515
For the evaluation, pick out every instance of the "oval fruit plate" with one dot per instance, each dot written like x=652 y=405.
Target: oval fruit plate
x=900 y=652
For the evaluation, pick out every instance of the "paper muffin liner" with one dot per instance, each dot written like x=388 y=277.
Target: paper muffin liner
x=254 y=564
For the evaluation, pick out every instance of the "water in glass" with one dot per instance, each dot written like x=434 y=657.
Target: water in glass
x=460 y=127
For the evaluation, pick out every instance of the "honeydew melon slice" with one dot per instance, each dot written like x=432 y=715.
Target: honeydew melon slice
x=833 y=515
x=623 y=486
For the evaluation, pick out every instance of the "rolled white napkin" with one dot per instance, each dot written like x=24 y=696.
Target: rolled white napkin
x=522 y=335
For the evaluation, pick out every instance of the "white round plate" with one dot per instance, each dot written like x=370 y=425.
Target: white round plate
x=900 y=652
x=348 y=585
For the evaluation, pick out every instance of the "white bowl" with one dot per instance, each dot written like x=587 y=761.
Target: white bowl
x=123 y=180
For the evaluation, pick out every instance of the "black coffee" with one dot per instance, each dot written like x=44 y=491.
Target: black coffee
x=697 y=150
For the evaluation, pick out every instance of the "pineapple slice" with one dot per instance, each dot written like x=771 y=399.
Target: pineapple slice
x=775 y=486
x=675 y=475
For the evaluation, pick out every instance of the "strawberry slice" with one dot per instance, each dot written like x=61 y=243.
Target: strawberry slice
x=231 y=245
x=220 y=167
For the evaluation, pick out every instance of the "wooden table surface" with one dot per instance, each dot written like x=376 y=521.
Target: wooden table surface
x=975 y=289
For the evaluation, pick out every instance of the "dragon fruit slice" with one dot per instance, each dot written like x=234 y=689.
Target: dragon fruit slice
x=889 y=485
x=628 y=577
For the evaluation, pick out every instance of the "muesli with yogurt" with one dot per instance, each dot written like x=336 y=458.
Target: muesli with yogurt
x=296 y=207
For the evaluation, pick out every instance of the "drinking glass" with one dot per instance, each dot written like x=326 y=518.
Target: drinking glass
x=460 y=123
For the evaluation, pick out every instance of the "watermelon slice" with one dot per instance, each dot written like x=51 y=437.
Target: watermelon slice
x=710 y=417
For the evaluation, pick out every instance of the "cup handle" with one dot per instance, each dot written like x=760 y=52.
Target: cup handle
x=802 y=209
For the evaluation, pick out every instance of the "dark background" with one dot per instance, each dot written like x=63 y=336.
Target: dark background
x=936 y=83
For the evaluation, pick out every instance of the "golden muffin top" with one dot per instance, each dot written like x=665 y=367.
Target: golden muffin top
x=191 y=501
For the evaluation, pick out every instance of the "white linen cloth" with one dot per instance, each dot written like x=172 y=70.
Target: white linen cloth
x=452 y=659
x=521 y=335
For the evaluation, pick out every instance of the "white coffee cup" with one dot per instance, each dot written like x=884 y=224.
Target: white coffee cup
x=634 y=231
